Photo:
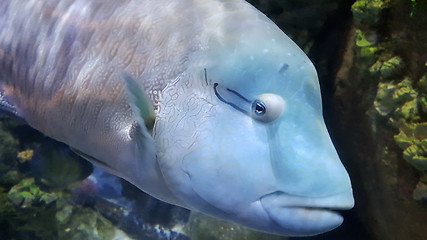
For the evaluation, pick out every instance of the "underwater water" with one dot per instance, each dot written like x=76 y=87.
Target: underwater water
x=371 y=57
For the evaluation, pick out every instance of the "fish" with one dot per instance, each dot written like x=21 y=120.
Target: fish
x=55 y=166
x=204 y=104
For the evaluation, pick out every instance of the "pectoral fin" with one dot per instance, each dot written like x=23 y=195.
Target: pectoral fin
x=140 y=103
x=149 y=174
x=143 y=113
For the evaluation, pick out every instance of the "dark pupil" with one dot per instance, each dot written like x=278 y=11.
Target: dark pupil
x=259 y=108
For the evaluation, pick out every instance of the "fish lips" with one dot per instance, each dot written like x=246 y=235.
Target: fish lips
x=302 y=216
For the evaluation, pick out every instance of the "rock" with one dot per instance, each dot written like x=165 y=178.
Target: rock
x=367 y=11
x=25 y=194
x=202 y=227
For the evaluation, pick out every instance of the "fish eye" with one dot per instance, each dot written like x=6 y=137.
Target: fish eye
x=268 y=107
x=258 y=108
x=265 y=108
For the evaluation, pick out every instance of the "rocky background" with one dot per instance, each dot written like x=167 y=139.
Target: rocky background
x=371 y=56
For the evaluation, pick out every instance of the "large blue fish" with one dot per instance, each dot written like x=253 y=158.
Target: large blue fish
x=205 y=104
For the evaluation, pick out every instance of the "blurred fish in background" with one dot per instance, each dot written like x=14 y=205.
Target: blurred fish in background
x=56 y=166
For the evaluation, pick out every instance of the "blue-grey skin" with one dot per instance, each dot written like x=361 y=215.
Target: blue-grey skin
x=238 y=131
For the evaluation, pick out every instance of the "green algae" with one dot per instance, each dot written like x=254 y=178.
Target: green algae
x=83 y=223
x=203 y=227
x=398 y=100
x=51 y=215
x=10 y=178
x=367 y=47
x=8 y=148
x=423 y=104
x=367 y=11
x=408 y=111
x=420 y=192
x=384 y=103
x=387 y=67
x=418 y=8
x=394 y=63
x=361 y=40
x=422 y=83
x=401 y=103
x=28 y=211
x=413 y=139
x=26 y=193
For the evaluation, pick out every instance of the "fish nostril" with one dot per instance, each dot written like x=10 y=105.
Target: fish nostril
x=283 y=68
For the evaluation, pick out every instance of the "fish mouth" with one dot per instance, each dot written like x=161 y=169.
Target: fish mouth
x=302 y=216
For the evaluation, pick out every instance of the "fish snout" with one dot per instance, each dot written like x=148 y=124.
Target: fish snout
x=306 y=216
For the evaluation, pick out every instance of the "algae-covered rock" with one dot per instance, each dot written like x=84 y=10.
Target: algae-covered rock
x=87 y=224
x=423 y=104
x=64 y=211
x=25 y=156
x=398 y=101
x=80 y=223
x=53 y=215
x=384 y=103
x=420 y=192
x=409 y=110
x=381 y=108
x=416 y=155
x=361 y=40
x=10 y=178
x=422 y=83
x=26 y=193
x=367 y=11
x=404 y=91
x=8 y=149
x=202 y=227
x=418 y=8
x=27 y=211
x=387 y=67
x=366 y=43
x=413 y=139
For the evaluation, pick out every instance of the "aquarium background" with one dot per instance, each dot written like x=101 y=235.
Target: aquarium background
x=371 y=56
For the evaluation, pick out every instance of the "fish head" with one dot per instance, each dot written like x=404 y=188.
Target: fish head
x=244 y=138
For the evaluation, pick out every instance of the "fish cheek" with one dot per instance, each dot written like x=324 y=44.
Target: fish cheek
x=233 y=172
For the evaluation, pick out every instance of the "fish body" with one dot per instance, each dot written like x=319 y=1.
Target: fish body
x=204 y=104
